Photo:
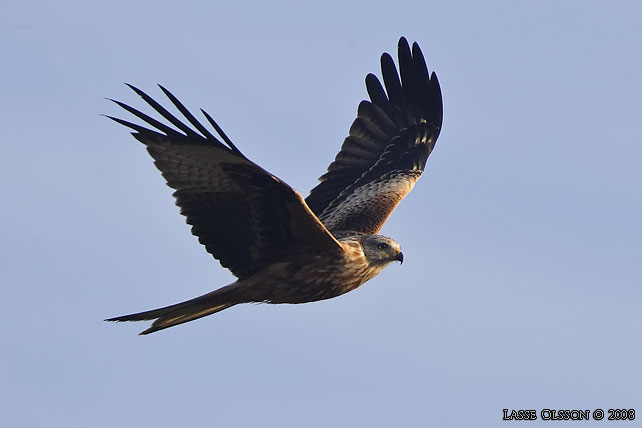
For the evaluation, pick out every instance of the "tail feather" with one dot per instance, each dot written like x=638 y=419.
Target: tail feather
x=189 y=310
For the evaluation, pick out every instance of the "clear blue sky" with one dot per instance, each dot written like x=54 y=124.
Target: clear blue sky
x=521 y=284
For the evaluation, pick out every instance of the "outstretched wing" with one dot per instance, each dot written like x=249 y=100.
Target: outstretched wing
x=245 y=216
x=386 y=151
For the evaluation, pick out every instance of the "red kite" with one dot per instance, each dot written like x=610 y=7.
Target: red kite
x=282 y=248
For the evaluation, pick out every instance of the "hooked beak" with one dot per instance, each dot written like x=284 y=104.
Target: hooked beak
x=399 y=257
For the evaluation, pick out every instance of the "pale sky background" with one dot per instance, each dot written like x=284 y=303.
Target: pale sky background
x=521 y=283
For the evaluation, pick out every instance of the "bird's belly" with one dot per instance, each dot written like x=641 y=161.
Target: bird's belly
x=286 y=283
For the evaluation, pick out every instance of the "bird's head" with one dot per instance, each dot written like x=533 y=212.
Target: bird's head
x=380 y=249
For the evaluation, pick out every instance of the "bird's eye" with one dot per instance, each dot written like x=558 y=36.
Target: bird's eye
x=382 y=246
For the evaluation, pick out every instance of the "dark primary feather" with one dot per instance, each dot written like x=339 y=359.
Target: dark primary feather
x=387 y=146
x=244 y=216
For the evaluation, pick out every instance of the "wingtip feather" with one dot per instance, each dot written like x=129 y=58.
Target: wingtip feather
x=403 y=43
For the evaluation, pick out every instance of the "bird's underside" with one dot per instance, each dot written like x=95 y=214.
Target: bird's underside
x=282 y=248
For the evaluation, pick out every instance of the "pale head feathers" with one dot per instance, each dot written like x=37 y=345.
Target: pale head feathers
x=380 y=249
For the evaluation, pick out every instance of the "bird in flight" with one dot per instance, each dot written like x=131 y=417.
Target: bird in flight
x=281 y=247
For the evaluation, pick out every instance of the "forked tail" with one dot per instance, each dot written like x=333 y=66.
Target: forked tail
x=189 y=310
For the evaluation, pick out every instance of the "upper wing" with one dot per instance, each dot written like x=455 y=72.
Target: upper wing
x=386 y=151
x=245 y=217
